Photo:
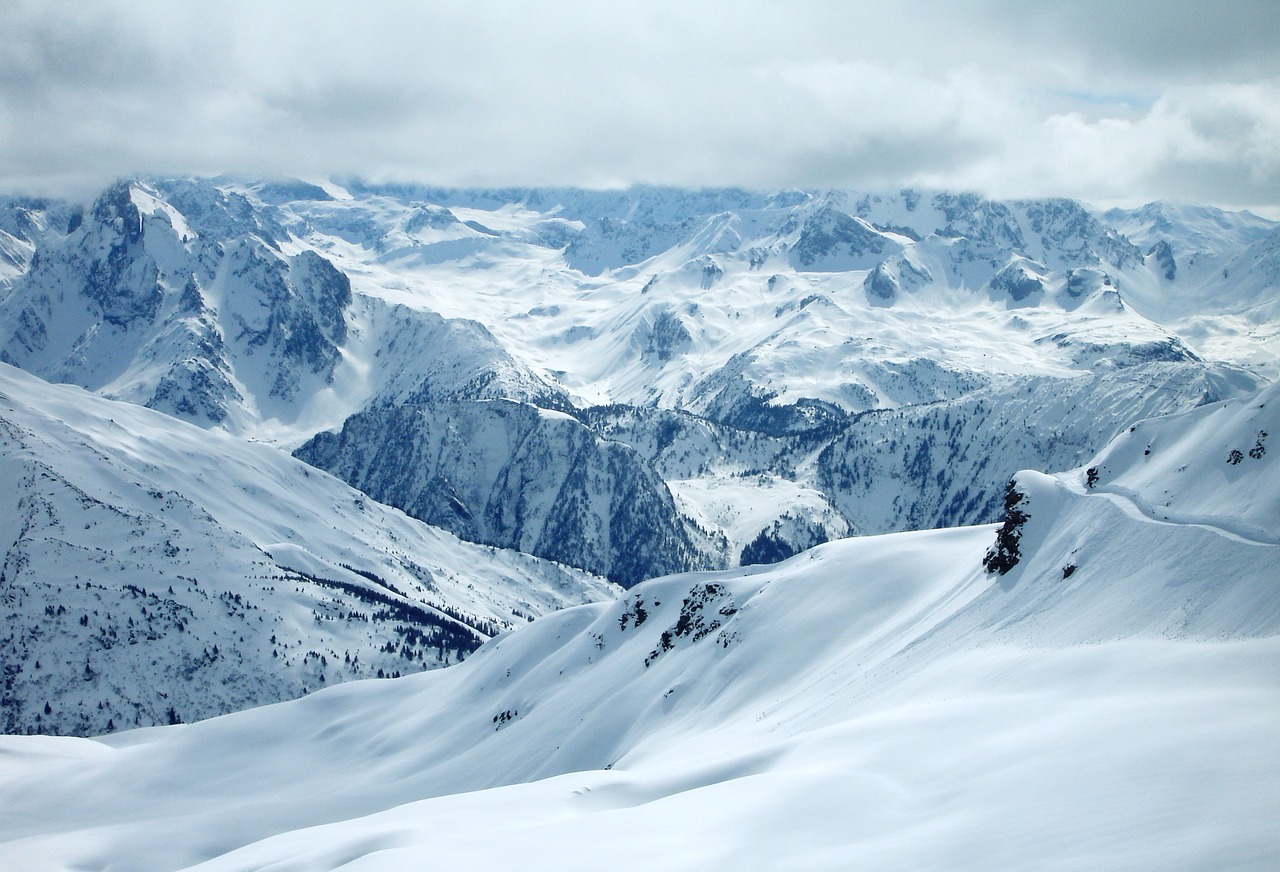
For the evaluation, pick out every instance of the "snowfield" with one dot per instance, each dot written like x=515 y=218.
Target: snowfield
x=1111 y=702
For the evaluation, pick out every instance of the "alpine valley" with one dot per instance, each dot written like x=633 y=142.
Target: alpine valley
x=790 y=530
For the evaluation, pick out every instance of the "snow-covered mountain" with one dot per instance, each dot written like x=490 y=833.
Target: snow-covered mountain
x=190 y=298
x=1215 y=276
x=765 y=317
x=636 y=382
x=1103 y=696
x=835 y=349
x=516 y=476
x=155 y=571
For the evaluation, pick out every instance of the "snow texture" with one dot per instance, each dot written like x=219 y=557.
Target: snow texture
x=880 y=701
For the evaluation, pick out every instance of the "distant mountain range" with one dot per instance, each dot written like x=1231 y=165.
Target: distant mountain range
x=629 y=383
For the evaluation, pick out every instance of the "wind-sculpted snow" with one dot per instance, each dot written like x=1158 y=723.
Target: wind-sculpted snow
x=153 y=572
x=513 y=475
x=1109 y=702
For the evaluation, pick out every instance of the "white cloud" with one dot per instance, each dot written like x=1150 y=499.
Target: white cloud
x=1010 y=98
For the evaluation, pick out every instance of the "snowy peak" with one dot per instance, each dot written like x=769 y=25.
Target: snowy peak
x=636 y=382
x=276 y=311
x=1188 y=230
x=290 y=310
x=984 y=222
x=1257 y=276
x=220 y=212
x=281 y=191
x=1209 y=274
x=833 y=241
x=1067 y=235
x=184 y=296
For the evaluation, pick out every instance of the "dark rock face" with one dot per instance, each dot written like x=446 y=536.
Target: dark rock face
x=881 y=283
x=511 y=475
x=1068 y=233
x=217 y=215
x=122 y=280
x=1016 y=283
x=666 y=337
x=831 y=239
x=983 y=221
x=784 y=538
x=1165 y=262
x=121 y=297
x=299 y=320
x=728 y=397
x=291 y=190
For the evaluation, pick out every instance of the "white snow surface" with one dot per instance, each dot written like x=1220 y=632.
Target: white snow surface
x=740 y=507
x=878 y=703
x=1205 y=466
x=136 y=543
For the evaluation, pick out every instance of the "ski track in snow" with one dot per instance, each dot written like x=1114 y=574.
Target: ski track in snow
x=1137 y=506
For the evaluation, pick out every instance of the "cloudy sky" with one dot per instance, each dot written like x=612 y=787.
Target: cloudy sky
x=1107 y=101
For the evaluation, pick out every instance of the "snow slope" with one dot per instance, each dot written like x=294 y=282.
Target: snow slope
x=1205 y=467
x=1110 y=702
x=155 y=570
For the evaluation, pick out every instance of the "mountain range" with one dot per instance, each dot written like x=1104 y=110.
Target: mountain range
x=503 y=402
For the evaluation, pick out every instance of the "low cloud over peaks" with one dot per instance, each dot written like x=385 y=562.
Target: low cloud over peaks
x=1140 y=102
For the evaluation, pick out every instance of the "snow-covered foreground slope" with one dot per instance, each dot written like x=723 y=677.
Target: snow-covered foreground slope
x=153 y=570
x=1111 y=702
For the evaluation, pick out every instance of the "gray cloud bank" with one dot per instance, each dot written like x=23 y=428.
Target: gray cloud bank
x=1104 y=101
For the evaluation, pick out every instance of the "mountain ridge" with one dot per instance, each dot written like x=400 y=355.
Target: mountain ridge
x=155 y=571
